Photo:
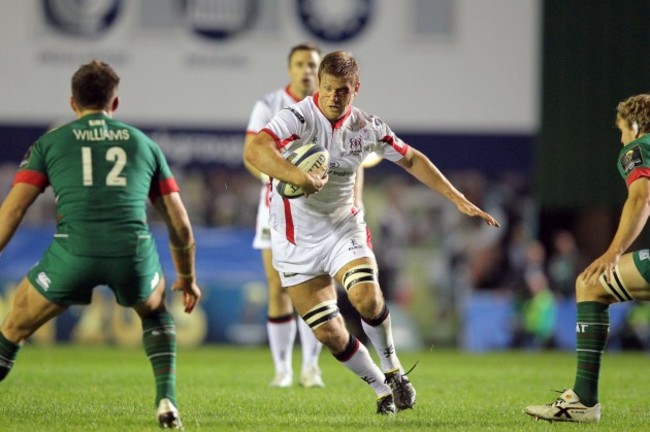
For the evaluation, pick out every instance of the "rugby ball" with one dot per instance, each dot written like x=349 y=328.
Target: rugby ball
x=311 y=158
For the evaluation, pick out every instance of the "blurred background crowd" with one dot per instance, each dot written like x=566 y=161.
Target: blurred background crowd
x=514 y=100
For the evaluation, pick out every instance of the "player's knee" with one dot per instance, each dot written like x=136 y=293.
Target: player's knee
x=595 y=292
x=367 y=300
x=325 y=321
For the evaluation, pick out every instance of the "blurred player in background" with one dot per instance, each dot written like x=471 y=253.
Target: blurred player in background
x=322 y=237
x=281 y=324
x=101 y=171
x=615 y=276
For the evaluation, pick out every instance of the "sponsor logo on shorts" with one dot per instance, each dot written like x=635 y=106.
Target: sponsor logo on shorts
x=644 y=254
x=289 y=275
x=43 y=281
x=155 y=281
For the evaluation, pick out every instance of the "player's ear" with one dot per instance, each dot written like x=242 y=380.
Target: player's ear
x=357 y=87
x=115 y=104
x=635 y=129
x=73 y=104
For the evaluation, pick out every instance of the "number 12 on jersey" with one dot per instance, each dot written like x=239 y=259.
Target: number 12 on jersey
x=116 y=155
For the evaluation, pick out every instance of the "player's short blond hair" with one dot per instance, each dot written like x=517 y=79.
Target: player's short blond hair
x=635 y=109
x=339 y=64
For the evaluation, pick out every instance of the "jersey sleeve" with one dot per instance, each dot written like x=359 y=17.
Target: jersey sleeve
x=162 y=181
x=32 y=169
x=287 y=126
x=389 y=145
x=634 y=163
x=260 y=115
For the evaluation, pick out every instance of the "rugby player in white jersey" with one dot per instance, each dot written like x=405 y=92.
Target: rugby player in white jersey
x=281 y=323
x=321 y=238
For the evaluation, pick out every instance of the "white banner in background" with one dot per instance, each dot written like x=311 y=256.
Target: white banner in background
x=426 y=65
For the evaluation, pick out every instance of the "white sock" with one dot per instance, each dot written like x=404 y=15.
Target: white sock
x=381 y=337
x=311 y=346
x=281 y=338
x=361 y=364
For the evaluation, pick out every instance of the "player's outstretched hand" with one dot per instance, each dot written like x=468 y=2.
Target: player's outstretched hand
x=470 y=209
x=314 y=183
x=191 y=293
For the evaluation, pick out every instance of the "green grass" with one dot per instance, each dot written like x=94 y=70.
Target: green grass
x=73 y=388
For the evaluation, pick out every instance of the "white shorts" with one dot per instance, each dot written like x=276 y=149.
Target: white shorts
x=298 y=264
x=262 y=238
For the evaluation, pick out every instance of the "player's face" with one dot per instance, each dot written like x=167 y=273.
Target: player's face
x=335 y=95
x=303 y=72
x=628 y=134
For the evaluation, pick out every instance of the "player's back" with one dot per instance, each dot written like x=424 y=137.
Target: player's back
x=101 y=171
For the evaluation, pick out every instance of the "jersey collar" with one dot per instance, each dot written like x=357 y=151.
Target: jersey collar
x=287 y=89
x=335 y=124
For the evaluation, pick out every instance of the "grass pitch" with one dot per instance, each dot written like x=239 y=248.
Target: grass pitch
x=75 y=388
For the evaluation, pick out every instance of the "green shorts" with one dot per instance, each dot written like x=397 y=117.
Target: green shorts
x=642 y=262
x=68 y=279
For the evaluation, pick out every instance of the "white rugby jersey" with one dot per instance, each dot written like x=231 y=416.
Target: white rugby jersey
x=266 y=107
x=349 y=141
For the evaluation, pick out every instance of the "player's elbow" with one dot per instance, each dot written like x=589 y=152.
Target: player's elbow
x=250 y=156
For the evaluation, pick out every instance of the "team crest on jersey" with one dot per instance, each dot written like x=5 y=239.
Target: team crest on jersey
x=356 y=145
x=631 y=159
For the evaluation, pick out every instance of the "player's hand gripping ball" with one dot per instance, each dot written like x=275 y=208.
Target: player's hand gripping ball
x=311 y=158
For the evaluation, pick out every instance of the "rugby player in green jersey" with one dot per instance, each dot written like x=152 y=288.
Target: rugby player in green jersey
x=616 y=276
x=102 y=172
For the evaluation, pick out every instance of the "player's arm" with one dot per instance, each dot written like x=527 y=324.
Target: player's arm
x=262 y=154
x=251 y=169
x=182 y=246
x=420 y=167
x=13 y=209
x=634 y=216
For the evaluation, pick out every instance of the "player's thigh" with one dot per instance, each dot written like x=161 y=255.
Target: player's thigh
x=315 y=301
x=633 y=271
x=134 y=279
x=64 y=278
x=360 y=281
x=307 y=295
x=29 y=311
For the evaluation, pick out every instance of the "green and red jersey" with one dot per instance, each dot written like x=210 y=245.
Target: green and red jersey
x=634 y=160
x=101 y=171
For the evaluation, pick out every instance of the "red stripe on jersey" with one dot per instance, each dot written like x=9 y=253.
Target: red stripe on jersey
x=31 y=177
x=290 y=229
x=399 y=147
x=278 y=141
x=637 y=174
x=267 y=195
x=293 y=96
x=287 y=141
x=369 y=238
x=163 y=187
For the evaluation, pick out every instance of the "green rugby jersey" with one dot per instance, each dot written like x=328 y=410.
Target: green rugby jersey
x=634 y=160
x=101 y=171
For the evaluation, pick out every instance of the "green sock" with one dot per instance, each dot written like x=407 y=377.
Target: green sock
x=592 y=332
x=159 y=340
x=8 y=352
